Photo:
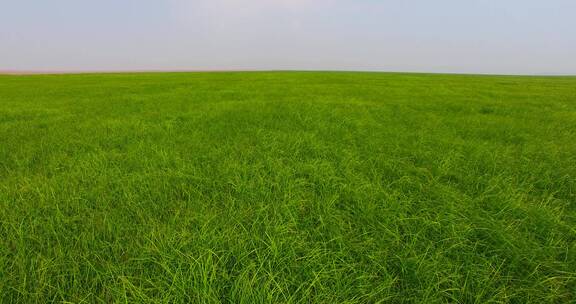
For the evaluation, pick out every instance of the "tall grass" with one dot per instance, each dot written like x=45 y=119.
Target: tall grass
x=287 y=188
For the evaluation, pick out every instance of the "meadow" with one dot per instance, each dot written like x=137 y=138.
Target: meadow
x=287 y=187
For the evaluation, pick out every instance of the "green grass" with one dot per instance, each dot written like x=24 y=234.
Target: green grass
x=287 y=187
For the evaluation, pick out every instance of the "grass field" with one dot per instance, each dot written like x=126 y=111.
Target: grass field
x=287 y=187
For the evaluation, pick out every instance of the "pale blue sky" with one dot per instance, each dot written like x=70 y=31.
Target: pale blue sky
x=470 y=36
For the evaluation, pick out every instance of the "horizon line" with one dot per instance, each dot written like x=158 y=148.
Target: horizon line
x=23 y=72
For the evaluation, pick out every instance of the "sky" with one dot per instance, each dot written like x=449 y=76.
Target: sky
x=453 y=36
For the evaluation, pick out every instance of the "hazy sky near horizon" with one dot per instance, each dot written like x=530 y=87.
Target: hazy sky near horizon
x=469 y=36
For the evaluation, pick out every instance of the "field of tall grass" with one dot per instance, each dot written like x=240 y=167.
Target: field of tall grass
x=287 y=187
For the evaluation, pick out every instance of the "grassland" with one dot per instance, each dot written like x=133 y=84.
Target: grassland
x=287 y=188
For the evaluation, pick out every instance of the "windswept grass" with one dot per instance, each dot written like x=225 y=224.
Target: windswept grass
x=287 y=188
